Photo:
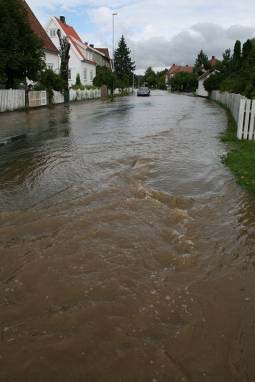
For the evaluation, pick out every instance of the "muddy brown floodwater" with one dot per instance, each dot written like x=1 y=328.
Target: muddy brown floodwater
x=127 y=248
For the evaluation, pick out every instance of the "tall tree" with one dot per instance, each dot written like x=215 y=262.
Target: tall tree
x=202 y=63
x=21 y=52
x=105 y=76
x=150 y=77
x=236 y=60
x=247 y=49
x=64 y=66
x=123 y=64
x=161 y=79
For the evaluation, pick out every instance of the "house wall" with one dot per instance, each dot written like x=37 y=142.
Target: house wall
x=100 y=60
x=52 y=61
x=77 y=66
x=201 y=92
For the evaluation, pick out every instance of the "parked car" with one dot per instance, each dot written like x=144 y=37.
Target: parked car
x=143 y=92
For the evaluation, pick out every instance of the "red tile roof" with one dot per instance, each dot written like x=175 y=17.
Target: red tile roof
x=69 y=31
x=180 y=69
x=213 y=61
x=105 y=51
x=78 y=48
x=39 y=30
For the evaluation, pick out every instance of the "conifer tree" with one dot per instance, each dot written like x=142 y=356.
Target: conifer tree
x=236 y=60
x=202 y=63
x=21 y=53
x=123 y=64
x=150 y=77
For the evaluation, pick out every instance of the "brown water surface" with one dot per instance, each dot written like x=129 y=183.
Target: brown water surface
x=126 y=247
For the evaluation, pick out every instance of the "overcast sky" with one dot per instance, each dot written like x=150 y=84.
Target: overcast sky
x=159 y=32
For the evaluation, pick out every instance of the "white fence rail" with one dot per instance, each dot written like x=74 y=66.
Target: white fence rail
x=57 y=97
x=79 y=95
x=12 y=99
x=243 y=111
x=37 y=98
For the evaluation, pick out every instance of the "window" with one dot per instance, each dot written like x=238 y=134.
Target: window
x=85 y=75
x=53 y=32
x=50 y=66
x=91 y=75
x=69 y=74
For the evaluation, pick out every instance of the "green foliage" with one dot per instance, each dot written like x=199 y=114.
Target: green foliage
x=161 y=79
x=184 y=82
x=78 y=80
x=236 y=59
x=202 y=63
x=49 y=80
x=150 y=78
x=123 y=65
x=213 y=82
x=241 y=157
x=78 y=87
x=153 y=79
x=104 y=76
x=236 y=71
x=21 y=53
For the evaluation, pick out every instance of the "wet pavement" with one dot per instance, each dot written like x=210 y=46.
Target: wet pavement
x=126 y=246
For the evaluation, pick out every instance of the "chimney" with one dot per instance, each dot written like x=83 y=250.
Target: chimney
x=63 y=19
x=213 y=57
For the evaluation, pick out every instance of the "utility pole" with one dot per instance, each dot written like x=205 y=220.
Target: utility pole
x=113 y=38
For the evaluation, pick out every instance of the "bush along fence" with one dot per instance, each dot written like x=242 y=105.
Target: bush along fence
x=11 y=100
x=243 y=111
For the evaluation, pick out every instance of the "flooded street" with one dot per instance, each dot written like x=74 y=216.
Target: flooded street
x=127 y=250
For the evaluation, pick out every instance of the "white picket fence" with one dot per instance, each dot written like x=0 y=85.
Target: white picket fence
x=243 y=111
x=79 y=95
x=57 y=97
x=37 y=98
x=12 y=99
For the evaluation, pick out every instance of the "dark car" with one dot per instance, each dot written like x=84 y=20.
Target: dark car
x=143 y=92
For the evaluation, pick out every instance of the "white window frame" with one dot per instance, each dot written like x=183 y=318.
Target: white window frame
x=53 y=32
x=50 y=66
x=85 y=75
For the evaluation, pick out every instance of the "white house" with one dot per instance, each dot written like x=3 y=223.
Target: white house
x=52 y=58
x=201 y=91
x=81 y=54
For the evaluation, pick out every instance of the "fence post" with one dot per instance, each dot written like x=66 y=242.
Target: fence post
x=251 y=131
x=241 y=119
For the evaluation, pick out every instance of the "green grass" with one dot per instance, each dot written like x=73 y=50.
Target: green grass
x=241 y=156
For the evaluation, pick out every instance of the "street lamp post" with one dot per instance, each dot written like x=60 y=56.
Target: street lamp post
x=113 y=38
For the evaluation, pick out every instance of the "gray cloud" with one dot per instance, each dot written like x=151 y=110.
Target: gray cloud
x=183 y=48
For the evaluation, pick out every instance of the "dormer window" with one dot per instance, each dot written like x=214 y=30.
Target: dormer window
x=53 y=32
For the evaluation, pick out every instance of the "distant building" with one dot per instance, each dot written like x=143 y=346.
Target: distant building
x=174 y=69
x=102 y=57
x=82 y=59
x=213 y=61
x=51 y=52
x=201 y=91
